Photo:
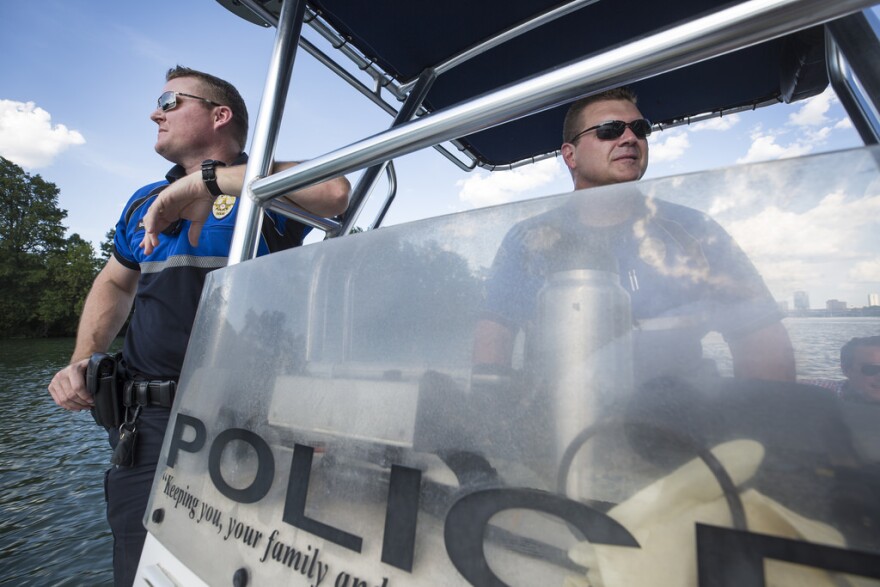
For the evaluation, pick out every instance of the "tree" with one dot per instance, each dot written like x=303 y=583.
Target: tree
x=71 y=271
x=44 y=277
x=30 y=219
x=107 y=245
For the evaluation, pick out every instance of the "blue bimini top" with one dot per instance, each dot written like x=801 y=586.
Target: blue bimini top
x=172 y=276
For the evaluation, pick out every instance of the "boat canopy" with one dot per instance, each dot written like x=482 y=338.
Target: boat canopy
x=495 y=78
x=476 y=47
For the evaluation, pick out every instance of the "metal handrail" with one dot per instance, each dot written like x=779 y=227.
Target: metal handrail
x=705 y=38
x=370 y=177
x=389 y=197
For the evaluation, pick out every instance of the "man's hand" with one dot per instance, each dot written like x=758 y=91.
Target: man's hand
x=186 y=198
x=68 y=387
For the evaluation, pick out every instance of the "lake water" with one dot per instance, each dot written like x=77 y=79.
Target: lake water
x=52 y=525
x=52 y=463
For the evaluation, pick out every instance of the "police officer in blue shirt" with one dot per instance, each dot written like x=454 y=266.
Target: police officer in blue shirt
x=202 y=128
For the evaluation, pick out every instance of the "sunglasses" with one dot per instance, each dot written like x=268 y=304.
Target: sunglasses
x=168 y=100
x=614 y=129
x=870 y=370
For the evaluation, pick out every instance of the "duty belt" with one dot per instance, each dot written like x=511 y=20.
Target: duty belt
x=149 y=393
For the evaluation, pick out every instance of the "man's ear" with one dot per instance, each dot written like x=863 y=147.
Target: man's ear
x=222 y=116
x=567 y=150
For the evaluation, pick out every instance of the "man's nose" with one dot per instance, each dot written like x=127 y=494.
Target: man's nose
x=628 y=136
x=157 y=115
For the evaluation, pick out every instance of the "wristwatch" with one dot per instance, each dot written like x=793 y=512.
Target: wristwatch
x=209 y=175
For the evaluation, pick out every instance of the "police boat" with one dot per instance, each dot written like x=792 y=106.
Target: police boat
x=332 y=426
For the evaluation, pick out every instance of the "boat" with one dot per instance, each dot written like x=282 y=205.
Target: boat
x=332 y=427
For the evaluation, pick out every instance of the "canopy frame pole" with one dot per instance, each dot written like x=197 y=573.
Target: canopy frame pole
x=854 y=38
x=246 y=237
x=371 y=175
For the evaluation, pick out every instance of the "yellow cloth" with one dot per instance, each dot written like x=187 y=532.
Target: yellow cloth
x=663 y=515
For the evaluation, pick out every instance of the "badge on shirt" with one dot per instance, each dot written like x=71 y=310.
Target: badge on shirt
x=223 y=205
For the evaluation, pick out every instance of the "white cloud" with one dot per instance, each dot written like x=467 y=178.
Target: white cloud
x=866 y=271
x=817 y=233
x=814 y=249
x=668 y=146
x=764 y=147
x=818 y=136
x=499 y=187
x=719 y=123
x=843 y=123
x=780 y=274
x=813 y=111
x=27 y=136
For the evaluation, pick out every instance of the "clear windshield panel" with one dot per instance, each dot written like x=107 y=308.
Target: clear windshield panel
x=596 y=387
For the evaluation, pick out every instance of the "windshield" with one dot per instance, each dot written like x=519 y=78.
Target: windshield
x=581 y=386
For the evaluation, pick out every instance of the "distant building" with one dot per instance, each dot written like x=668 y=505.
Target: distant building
x=874 y=299
x=801 y=300
x=835 y=306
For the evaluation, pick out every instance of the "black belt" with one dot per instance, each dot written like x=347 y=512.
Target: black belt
x=149 y=393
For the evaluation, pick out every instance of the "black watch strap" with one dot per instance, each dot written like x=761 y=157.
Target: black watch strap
x=209 y=175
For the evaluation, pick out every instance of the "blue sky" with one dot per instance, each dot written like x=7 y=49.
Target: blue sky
x=79 y=79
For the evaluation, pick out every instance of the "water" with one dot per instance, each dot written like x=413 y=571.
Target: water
x=52 y=462
x=816 y=341
x=52 y=525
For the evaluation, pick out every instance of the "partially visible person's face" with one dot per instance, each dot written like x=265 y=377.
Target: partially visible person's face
x=595 y=162
x=188 y=127
x=864 y=374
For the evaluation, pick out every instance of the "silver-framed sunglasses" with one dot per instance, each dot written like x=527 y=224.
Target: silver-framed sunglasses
x=168 y=100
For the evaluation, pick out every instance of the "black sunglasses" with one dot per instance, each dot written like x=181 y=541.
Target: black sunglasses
x=168 y=100
x=614 y=129
x=870 y=370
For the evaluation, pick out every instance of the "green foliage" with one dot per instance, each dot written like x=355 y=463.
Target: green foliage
x=107 y=245
x=44 y=277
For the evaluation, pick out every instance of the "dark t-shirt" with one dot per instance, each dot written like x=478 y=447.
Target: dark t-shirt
x=684 y=274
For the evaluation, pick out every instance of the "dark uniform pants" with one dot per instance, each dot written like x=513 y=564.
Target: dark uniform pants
x=127 y=490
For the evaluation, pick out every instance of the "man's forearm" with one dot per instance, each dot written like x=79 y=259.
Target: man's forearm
x=326 y=199
x=764 y=354
x=105 y=311
x=493 y=344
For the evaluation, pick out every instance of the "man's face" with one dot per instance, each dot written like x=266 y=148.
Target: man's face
x=864 y=358
x=594 y=162
x=187 y=128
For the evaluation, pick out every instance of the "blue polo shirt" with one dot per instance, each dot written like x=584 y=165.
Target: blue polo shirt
x=172 y=276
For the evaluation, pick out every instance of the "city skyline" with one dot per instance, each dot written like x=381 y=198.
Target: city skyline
x=801 y=301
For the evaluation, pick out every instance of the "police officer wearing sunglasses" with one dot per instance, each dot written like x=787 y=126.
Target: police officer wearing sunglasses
x=684 y=274
x=202 y=126
x=860 y=363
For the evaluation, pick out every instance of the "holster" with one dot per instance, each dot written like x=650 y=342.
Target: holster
x=103 y=382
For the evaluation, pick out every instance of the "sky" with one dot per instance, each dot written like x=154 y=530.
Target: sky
x=79 y=80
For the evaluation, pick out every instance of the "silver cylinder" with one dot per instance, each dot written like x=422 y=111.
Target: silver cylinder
x=583 y=352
